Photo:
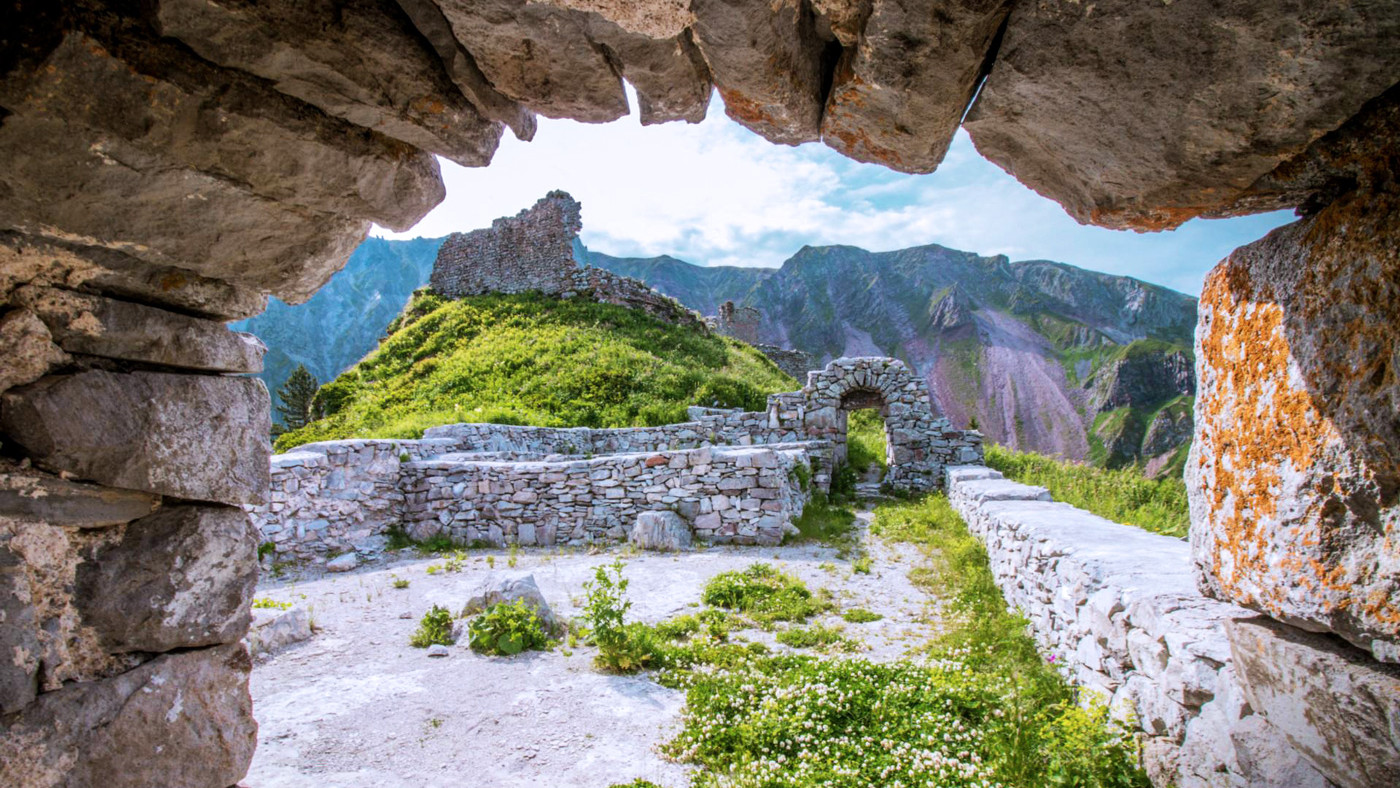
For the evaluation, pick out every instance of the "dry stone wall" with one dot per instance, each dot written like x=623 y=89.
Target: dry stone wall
x=532 y=250
x=1118 y=610
x=731 y=474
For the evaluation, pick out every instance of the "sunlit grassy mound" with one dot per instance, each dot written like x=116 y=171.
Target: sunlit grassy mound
x=528 y=359
x=1123 y=496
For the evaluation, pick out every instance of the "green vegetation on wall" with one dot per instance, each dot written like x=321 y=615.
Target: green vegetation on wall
x=1123 y=496
x=527 y=359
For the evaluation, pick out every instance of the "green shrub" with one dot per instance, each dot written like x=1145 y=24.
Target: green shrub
x=765 y=594
x=1123 y=496
x=507 y=628
x=434 y=629
x=858 y=615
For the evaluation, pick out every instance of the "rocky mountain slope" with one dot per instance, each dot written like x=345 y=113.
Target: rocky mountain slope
x=1041 y=355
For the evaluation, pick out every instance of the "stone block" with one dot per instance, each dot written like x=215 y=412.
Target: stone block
x=33 y=495
x=663 y=531
x=197 y=437
x=1335 y=704
x=272 y=630
x=1294 y=470
x=99 y=326
x=180 y=578
x=19 y=642
x=182 y=720
x=28 y=349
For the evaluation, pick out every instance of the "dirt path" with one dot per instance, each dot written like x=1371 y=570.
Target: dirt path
x=356 y=706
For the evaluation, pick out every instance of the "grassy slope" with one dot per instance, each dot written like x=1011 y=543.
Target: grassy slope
x=1122 y=496
x=525 y=359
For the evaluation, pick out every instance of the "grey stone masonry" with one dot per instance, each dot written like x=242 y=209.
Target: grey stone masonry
x=1118 y=611
x=733 y=476
x=532 y=250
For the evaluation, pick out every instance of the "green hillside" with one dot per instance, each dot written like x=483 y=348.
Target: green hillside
x=527 y=359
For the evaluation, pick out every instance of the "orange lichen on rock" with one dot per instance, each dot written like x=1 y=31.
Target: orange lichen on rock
x=1293 y=471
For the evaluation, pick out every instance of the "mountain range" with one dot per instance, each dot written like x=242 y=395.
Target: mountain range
x=1039 y=355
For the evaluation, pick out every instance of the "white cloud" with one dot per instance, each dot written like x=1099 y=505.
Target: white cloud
x=714 y=193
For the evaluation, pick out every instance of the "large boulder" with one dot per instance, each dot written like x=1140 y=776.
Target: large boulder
x=664 y=531
x=1144 y=115
x=273 y=630
x=180 y=578
x=182 y=720
x=359 y=60
x=1337 y=706
x=900 y=92
x=191 y=436
x=498 y=589
x=1294 y=472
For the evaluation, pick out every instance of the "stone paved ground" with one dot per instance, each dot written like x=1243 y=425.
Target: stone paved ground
x=356 y=706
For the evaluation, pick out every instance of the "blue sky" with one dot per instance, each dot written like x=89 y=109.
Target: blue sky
x=714 y=193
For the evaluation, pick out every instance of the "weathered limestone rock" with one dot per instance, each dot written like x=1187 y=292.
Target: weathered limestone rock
x=658 y=19
x=768 y=64
x=900 y=93
x=1145 y=115
x=540 y=56
x=1294 y=470
x=465 y=73
x=273 y=630
x=671 y=77
x=844 y=18
x=34 y=495
x=664 y=531
x=27 y=348
x=19 y=641
x=40 y=261
x=358 y=60
x=507 y=590
x=180 y=578
x=199 y=437
x=1335 y=704
x=342 y=563
x=99 y=326
x=179 y=721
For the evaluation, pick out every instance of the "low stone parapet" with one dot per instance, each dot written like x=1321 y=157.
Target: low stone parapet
x=1117 y=609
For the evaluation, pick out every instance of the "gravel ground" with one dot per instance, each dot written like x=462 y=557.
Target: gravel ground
x=357 y=706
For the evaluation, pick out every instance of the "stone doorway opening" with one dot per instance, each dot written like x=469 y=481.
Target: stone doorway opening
x=863 y=418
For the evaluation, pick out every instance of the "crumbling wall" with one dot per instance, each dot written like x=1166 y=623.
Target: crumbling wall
x=533 y=250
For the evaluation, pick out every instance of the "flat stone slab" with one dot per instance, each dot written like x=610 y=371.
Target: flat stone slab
x=200 y=437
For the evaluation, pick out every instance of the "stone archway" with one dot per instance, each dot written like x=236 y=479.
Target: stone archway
x=919 y=442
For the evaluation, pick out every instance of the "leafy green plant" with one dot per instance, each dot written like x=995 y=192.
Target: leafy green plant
x=622 y=647
x=271 y=604
x=514 y=555
x=862 y=565
x=400 y=582
x=765 y=594
x=434 y=629
x=266 y=549
x=507 y=628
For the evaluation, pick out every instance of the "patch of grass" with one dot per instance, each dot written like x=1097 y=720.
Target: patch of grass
x=858 y=615
x=263 y=603
x=637 y=783
x=529 y=359
x=507 y=629
x=815 y=636
x=400 y=582
x=265 y=549
x=865 y=441
x=824 y=522
x=1123 y=496
x=434 y=629
x=765 y=594
x=862 y=565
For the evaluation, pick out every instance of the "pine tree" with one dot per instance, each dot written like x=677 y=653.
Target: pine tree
x=296 y=395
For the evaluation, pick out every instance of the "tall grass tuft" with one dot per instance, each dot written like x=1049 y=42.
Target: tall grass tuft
x=1123 y=496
